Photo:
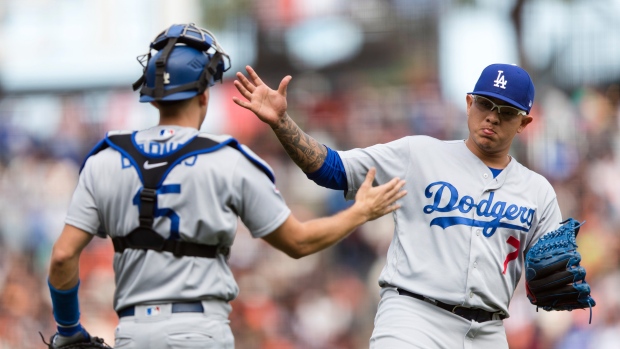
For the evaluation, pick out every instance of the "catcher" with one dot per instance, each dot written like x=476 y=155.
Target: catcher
x=170 y=197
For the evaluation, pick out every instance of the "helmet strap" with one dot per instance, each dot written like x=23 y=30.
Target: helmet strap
x=160 y=68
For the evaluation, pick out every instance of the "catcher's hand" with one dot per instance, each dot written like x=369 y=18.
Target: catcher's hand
x=554 y=278
x=91 y=343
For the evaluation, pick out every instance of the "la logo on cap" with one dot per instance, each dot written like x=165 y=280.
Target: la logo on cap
x=500 y=81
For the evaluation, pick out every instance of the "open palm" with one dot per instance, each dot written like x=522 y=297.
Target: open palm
x=268 y=104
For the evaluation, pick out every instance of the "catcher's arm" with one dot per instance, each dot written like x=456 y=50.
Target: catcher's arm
x=63 y=283
x=299 y=239
x=64 y=264
x=554 y=278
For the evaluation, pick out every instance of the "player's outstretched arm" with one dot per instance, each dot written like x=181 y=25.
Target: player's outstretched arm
x=270 y=107
x=298 y=239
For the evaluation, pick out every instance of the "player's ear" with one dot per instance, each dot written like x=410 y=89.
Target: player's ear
x=524 y=122
x=203 y=98
x=154 y=104
x=469 y=99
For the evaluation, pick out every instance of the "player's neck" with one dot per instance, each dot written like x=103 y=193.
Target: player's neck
x=498 y=160
x=183 y=120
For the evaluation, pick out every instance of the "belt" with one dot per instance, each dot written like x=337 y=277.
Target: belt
x=186 y=307
x=475 y=314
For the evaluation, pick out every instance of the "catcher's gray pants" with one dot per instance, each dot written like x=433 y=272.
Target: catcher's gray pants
x=403 y=322
x=154 y=326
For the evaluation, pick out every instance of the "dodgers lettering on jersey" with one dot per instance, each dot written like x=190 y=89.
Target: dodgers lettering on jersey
x=460 y=234
x=513 y=216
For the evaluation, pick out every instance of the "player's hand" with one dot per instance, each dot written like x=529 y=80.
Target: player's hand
x=269 y=105
x=377 y=201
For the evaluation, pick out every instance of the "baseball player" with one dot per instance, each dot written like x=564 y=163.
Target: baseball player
x=472 y=210
x=170 y=198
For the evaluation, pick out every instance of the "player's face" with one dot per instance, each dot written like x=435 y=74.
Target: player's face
x=493 y=124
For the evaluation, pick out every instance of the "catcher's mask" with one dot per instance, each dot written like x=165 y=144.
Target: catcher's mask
x=189 y=59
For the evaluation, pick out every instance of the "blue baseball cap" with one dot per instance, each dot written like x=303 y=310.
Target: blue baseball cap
x=508 y=82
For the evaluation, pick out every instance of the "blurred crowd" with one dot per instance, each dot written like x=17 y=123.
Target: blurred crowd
x=327 y=300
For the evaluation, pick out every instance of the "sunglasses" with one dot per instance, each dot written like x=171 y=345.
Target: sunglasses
x=504 y=111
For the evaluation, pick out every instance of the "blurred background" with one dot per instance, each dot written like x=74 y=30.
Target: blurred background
x=364 y=72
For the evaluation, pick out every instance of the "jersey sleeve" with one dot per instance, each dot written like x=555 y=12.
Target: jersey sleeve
x=258 y=202
x=389 y=159
x=550 y=217
x=83 y=213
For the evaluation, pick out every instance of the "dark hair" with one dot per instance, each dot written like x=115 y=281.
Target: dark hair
x=168 y=108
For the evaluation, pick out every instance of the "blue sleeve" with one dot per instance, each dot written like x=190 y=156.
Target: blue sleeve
x=331 y=174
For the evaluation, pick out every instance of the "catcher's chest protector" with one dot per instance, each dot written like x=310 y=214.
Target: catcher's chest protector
x=152 y=172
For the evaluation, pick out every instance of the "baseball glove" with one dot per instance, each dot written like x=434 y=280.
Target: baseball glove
x=94 y=343
x=554 y=278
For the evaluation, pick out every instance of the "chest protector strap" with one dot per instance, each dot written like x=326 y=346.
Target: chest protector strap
x=152 y=171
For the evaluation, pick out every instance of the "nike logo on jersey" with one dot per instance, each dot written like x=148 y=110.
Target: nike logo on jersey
x=446 y=199
x=148 y=166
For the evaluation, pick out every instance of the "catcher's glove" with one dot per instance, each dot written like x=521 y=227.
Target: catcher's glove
x=92 y=343
x=554 y=278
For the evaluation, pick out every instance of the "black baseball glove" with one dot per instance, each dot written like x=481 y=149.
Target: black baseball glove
x=92 y=343
x=554 y=278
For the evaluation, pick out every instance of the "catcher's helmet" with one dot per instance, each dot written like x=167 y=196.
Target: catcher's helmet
x=189 y=59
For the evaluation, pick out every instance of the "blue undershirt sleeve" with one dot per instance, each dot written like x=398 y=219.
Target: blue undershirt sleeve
x=332 y=174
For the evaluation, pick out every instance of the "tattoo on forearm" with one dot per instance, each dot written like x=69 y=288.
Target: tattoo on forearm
x=304 y=150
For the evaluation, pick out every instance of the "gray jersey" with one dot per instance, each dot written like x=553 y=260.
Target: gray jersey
x=208 y=192
x=461 y=234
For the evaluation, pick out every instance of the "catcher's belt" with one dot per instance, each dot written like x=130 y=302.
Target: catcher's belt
x=181 y=307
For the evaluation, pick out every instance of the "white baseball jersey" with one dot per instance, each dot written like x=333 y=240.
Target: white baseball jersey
x=460 y=236
x=210 y=192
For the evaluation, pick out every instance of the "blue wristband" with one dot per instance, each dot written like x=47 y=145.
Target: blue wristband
x=66 y=309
